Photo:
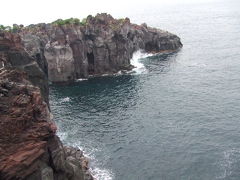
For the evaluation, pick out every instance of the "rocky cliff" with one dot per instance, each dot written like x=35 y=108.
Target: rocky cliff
x=29 y=146
x=12 y=54
x=100 y=45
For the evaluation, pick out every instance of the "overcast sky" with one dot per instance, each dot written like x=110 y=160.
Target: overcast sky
x=36 y=11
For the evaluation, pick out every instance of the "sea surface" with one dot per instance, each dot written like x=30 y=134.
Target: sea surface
x=177 y=115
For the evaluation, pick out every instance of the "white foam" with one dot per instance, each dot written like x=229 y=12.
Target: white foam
x=105 y=75
x=66 y=99
x=230 y=158
x=101 y=174
x=62 y=135
x=81 y=79
x=96 y=170
x=135 y=61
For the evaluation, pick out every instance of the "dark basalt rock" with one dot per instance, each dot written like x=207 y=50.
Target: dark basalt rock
x=103 y=45
x=29 y=146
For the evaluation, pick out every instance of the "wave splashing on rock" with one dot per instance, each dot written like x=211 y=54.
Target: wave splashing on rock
x=139 y=67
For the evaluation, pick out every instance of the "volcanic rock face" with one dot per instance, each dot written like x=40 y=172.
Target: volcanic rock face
x=102 y=45
x=29 y=147
x=12 y=54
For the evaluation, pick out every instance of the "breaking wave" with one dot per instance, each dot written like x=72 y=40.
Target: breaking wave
x=139 y=67
x=98 y=172
x=101 y=174
x=66 y=99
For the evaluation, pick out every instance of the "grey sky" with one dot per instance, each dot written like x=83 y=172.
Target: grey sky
x=30 y=11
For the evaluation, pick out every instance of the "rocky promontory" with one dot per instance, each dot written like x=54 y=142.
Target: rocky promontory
x=67 y=51
x=29 y=146
x=59 y=52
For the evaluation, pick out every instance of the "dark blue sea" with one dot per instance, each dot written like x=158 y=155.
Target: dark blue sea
x=177 y=115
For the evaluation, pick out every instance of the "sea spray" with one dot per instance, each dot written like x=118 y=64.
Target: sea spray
x=101 y=174
x=98 y=172
x=139 y=67
x=96 y=169
x=64 y=100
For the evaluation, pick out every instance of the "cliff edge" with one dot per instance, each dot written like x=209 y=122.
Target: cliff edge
x=60 y=53
x=29 y=146
x=99 y=45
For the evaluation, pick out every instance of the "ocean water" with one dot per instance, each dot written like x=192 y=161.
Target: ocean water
x=177 y=115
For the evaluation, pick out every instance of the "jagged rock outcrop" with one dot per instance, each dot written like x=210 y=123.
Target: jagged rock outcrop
x=29 y=146
x=101 y=45
x=12 y=54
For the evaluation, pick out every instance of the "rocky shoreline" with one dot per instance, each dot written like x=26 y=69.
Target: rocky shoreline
x=37 y=54
x=29 y=146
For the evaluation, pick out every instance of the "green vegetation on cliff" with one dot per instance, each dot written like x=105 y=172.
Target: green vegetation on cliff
x=13 y=29
x=75 y=21
x=5 y=28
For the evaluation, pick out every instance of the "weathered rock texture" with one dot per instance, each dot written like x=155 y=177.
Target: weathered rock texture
x=102 y=45
x=29 y=147
x=12 y=54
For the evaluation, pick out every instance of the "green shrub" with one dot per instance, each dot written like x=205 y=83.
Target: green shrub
x=84 y=21
x=9 y=28
x=76 y=21
x=58 y=22
x=15 y=28
x=67 y=21
x=2 y=27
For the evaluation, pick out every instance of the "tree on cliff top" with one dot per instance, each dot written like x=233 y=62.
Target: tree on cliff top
x=13 y=29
